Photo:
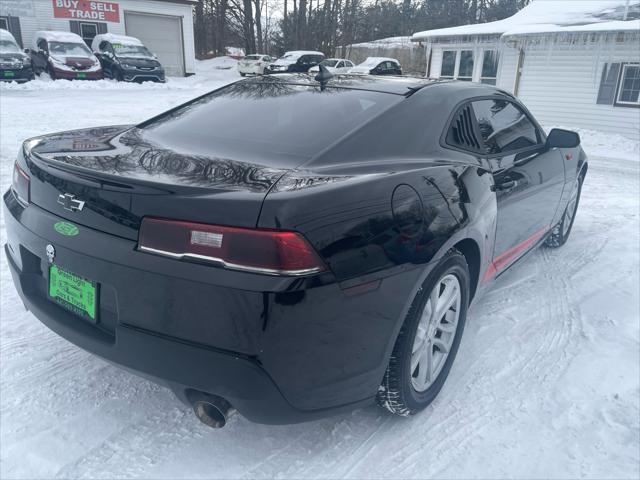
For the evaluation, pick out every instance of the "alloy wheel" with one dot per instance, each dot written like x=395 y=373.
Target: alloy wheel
x=435 y=333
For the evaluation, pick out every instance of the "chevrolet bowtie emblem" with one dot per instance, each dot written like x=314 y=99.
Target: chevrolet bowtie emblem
x=70 y=203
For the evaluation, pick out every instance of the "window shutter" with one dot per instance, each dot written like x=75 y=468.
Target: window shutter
x=14 y=28
x=608 y=84
x=462 y=132
x=75 y=26
x=102 y=28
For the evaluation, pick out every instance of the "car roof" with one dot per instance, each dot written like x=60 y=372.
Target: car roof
x=456 y=90
x=303 y=52
x=57 y=36
x=395 y=85
x=113 y=38
x=6 y=35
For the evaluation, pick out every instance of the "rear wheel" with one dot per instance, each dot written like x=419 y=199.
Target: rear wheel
x=560 y=233
x=428 y=341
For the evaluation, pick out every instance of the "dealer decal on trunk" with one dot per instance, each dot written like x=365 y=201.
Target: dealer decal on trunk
x=66 y=228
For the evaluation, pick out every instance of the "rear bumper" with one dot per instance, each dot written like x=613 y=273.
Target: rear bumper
x=279 y=350
x=16 y=75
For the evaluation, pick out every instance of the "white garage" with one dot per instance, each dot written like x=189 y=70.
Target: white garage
x=164 y=26
x=162 y=34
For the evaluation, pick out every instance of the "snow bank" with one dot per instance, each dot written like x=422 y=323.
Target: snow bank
x=601 y=144
x=206 y=70
x=546 y=13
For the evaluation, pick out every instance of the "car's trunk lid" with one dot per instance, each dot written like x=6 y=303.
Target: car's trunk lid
x=109 y=178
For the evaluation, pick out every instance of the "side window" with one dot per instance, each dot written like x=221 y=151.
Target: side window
x=340 y=64
x=504 y=127
x=42 y=45
x=349 y=64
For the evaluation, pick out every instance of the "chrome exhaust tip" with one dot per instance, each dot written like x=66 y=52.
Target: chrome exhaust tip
x=213 y=411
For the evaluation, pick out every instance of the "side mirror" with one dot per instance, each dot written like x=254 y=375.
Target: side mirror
x=559 y=138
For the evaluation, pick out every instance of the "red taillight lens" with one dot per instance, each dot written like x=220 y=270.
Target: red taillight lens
x=20 y=184
x=271 y=252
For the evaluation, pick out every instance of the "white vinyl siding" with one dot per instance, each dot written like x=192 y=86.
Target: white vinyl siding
x=560 y=87
x=44 y=20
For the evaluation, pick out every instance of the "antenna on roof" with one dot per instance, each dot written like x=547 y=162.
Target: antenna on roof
x=323 y=76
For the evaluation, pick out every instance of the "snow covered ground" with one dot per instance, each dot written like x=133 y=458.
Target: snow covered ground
x=546 y=383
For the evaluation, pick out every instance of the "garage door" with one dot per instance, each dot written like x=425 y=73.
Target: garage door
x=162 y=34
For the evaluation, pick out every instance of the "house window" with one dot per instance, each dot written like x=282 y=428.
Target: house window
x=629 y=85
x=465 y=69
x=88 y=31
x=448 y=68
x=489 y=67
x=457 y=64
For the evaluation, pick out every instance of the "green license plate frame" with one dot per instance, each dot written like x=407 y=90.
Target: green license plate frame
x=73 y=292
x=9 y=74
x=81 y=75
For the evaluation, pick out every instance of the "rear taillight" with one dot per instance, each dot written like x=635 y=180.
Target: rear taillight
x=271 y=252
x=20 y=184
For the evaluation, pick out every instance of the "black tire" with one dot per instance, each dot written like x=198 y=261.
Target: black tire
x=51 y=73
x=560 y=233
x=119 y=77
x=397 y=393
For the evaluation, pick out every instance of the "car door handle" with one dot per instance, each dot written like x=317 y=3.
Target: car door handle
x=503 y=186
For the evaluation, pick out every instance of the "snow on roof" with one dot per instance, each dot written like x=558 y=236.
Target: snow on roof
x=6 y=35
x=547 y=14
x=390 y=42
x=113 y=38
x=619 y=26
x=56 y=36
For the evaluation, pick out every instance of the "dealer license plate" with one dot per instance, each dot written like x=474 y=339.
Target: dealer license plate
x=73 y=292
x=81 y=75
x=9 y=74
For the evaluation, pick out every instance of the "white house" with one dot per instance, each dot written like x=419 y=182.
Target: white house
x=572 y=62
x=164 y=26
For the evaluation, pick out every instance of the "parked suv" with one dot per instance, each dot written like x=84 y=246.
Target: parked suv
x=126 y=59
x=378 y=66
x=15 y=65
x=254 y=64
x=295 y=61
x=64 y=55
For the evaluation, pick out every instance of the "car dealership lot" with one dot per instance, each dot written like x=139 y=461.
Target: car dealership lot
x=545 y=384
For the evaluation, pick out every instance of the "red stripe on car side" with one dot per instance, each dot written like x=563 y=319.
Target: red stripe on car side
x=504 y=259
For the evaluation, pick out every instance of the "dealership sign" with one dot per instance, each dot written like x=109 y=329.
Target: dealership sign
x=96 y=10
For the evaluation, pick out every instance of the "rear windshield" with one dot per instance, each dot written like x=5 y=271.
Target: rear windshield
x=266 y=120
x=252 y=57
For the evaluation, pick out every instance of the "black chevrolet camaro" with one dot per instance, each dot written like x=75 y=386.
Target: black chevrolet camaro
x=286 y=247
